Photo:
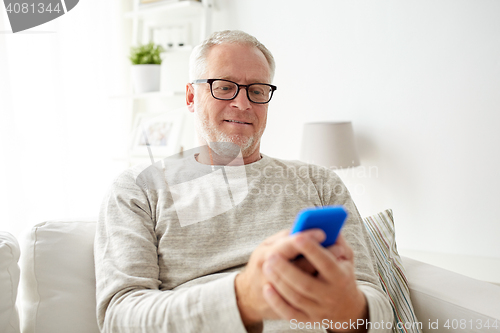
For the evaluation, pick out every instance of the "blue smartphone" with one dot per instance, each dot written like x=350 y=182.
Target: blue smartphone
x=328 y=218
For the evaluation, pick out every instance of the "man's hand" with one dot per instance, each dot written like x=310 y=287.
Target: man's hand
x=250 y=282
x=331 y=294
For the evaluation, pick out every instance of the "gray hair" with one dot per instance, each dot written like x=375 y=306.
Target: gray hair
x=198 y=59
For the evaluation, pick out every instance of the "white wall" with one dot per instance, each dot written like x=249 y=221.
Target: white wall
x=58 y=127
x=419 y=79
x=421 y=82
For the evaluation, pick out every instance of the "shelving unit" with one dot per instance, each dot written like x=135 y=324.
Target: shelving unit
x=195 y=15
x=177 y=25
x=160 y=8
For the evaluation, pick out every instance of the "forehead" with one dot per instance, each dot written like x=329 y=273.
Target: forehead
x=237 y=62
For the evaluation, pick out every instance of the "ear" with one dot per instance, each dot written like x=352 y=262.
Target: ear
x=190 y=97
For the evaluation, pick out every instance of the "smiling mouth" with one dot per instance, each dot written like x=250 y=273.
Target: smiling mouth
x=237 y=122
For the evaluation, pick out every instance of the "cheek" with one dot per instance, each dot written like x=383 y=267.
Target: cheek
x=262 y=115
x=200 y=99
x=202 y=105
x=209 y=108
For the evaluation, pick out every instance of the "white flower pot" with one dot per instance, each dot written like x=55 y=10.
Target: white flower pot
x=146 y=78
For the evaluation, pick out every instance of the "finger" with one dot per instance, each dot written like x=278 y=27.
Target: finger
x=280 y=306
x=292 y=282
x=349 y=253
x=338 y=252
x=285 y=247
x=270 y=240
x=341 y=249
x=298 y=300
x=337 y=249
x=321 y=258
x=305 y=266
x=315 y=234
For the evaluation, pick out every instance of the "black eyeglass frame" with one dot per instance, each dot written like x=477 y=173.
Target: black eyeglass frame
x=210 y=81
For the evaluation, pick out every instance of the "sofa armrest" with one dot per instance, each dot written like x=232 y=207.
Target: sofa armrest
x=58 y=279
x=9 y=281
x=443 y=297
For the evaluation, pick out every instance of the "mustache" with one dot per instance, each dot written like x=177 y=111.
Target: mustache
x=243 y=115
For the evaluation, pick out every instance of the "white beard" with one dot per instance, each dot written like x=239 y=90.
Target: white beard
x=210 y=134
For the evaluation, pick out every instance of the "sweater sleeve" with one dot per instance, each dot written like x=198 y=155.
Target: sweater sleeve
x=355 y=233
x=127 y=275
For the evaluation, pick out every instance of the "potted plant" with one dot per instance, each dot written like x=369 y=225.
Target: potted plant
x=146 y=63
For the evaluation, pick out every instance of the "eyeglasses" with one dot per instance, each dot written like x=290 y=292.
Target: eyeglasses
x=225 y=90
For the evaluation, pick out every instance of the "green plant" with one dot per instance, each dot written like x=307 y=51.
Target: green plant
x=146 y=54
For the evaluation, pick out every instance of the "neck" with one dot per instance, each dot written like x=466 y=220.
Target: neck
x=254 y=157
x=211 y=157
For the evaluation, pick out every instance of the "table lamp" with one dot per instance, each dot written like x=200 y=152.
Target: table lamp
x=329 y=144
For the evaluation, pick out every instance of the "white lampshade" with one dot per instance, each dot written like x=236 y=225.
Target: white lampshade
x=330 y=144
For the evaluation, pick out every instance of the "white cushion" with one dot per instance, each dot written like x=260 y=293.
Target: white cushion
x=9 y=281
x=57 y=279
x=441 y=295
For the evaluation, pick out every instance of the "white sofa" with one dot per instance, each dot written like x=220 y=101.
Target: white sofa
x=57 y=286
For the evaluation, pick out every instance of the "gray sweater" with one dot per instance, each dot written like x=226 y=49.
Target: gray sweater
x=171 y=238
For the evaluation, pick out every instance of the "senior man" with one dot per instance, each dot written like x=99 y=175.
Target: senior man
x=234 y=269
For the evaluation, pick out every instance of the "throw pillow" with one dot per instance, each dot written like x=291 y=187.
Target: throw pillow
x=391 y=271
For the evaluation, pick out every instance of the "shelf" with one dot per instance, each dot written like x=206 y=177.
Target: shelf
x=180 y=8
x=164 y=22
x=151 y=95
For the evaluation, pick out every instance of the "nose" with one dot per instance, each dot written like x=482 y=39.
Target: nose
x=241 y=100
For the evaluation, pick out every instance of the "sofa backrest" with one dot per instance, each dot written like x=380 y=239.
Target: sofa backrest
x=57 y=291
x=57 y=279
x=9 y=281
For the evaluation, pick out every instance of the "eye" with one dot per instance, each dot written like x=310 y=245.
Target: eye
x=258 y=90
x=224 y=87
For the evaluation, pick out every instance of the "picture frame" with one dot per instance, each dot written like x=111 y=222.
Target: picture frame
x=161 y=132
x=147 y=2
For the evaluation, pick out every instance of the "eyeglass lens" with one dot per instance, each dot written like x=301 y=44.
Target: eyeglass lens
x=258 y=93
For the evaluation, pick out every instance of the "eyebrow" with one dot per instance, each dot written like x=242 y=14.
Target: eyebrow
x=232 y=79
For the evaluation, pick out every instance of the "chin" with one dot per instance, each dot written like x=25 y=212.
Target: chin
x=246 y=144
x=242 y=142
x=248 y=147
